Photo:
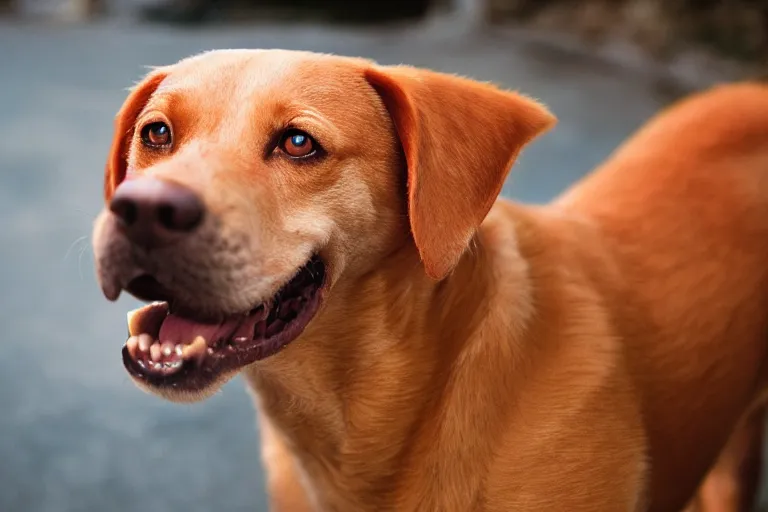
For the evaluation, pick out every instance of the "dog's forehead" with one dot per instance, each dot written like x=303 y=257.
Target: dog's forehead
x=248 y=72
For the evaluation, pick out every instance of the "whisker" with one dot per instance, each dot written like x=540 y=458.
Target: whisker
x=77 y=241
x=80 y=260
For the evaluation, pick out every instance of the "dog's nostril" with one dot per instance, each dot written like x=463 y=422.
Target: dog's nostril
x=165 y=215
x=125 y=210
x=184 y=214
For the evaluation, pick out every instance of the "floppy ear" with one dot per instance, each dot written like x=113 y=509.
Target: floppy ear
x=460 y=138
x=125 y=121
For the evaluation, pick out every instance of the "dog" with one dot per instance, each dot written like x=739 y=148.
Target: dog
x=331 y=229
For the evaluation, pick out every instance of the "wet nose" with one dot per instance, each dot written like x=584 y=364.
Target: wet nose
x=154 y=211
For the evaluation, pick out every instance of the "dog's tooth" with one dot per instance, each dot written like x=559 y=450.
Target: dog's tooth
x=155 y=351
x=147 y=318
x=158 y=366
x=168 y=347
x=145 y=341
x=128 y=319
x=172 y=366
x=195 y=349
x=179 y=350
x=131 y=345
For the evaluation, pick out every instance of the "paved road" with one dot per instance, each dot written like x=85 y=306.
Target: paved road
x=75 y=435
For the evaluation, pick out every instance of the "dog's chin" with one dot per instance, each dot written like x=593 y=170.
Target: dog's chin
x=181 y=395
x=182 y=356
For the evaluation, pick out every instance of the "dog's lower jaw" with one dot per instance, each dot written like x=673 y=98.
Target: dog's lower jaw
x=185 y=397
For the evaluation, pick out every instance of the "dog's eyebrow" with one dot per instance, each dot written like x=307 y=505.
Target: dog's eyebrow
x=169 y=85
x=300 y=113
x=167 y=92
x=173 y=87
x=311 y=115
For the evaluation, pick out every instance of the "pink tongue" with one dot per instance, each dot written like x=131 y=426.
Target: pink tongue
x=184 y=330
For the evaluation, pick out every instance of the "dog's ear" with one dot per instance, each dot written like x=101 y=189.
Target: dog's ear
x=125 y=122
x=460 y=138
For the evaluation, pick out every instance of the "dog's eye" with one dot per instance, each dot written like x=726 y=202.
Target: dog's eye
x=297 y=144
x=156 y=135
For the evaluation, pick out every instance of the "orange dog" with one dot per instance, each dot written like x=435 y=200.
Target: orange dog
x=330 y=228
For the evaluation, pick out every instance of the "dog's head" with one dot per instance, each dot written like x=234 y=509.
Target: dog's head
x=242 y=185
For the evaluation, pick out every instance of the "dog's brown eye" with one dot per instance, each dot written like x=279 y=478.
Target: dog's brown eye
x=297 y=144
x=156 y=134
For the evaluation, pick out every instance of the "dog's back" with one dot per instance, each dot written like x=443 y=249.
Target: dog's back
x=683 y=210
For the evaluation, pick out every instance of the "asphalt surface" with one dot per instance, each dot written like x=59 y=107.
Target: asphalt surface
x=75 y=434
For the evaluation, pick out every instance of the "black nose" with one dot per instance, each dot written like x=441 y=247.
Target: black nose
x=154 y=211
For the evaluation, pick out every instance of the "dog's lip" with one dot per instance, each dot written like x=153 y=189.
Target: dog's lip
x=226 y=346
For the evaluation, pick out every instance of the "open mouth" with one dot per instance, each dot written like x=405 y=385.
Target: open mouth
x=174 y=348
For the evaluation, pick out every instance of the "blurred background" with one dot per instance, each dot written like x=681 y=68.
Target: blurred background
x=75 y=434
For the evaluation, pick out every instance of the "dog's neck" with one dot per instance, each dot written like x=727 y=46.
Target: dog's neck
x=373 y=366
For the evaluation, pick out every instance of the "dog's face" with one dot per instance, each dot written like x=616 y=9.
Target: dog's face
x=242 y=185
